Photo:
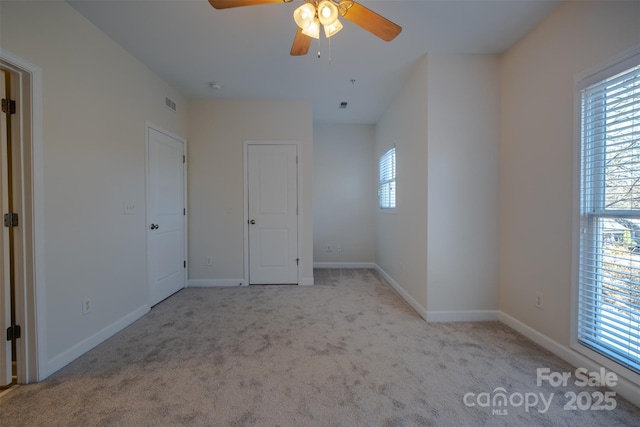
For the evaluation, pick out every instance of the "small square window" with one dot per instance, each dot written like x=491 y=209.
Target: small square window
x=387 y=183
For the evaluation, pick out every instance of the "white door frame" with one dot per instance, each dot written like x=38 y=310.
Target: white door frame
x=245 y=220
x=30 y=279
x=6 y=347
x=148 y=126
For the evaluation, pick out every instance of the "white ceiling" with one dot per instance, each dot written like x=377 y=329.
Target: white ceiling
x=246 y=49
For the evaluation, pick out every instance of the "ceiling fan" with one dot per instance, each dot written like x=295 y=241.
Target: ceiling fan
x=315 y=13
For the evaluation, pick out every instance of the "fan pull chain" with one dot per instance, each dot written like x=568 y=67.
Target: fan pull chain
x=329 y=41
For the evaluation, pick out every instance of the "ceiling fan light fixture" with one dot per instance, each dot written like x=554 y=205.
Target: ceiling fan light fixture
x=313 y=13
x=313 y=29
x=332 y=29
x=304 y=15
x=327 y=12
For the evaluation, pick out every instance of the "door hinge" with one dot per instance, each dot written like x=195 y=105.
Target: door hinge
x=184 y=211
x=297 y=261
x=185 y=264
x=8 y=106
x=11 y=220
x=13 y=332
x=184 y=159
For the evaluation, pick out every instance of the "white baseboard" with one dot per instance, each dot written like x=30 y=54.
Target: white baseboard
x=214 y=283
x=624 y=388
x=225 y=283
x=439 y=316
x=403 y=294
x=462 y=316
x=87 y=344
x=344 y=265
x=306 y=281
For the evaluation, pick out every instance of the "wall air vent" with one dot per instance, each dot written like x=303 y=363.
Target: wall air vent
x=170 y=104
x=343 y=104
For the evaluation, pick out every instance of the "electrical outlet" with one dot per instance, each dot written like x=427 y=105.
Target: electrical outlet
x=209 y=261
x=329 y=248
x=86 y=305
x=339 y=248
x=540 y=300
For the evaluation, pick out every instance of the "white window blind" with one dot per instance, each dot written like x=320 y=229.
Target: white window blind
x=387 y=187
x=608 y=318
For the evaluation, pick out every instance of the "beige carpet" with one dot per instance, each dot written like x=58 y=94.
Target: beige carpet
x=347 y=352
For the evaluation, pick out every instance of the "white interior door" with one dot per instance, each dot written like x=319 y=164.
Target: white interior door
x=166 y=267
x=273 y=214
x=5 y=291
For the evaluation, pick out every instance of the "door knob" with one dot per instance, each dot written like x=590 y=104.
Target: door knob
x=253 y=221
x=154 y=226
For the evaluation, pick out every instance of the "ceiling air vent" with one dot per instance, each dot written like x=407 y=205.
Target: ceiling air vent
x=170 y=104
x=343 y=104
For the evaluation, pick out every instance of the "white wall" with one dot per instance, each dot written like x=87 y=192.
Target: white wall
x=96 y=100
x=440 y=245
x=217 y=131
x=537 y=154
x=344 y=193
x=463 y=175
x=401 y=237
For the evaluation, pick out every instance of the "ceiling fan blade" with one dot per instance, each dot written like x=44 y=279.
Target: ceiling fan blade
x=369 y=20
x=301 y=44
x=226 y=4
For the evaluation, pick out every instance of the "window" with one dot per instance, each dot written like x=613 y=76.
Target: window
x=608 y=297
x=387 y=187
